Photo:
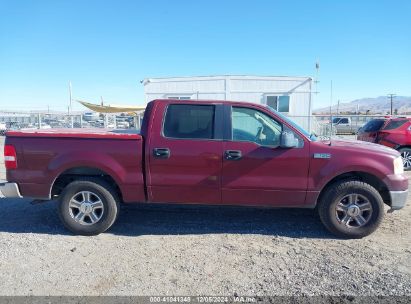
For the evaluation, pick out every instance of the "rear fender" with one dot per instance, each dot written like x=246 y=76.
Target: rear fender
x=99 y=160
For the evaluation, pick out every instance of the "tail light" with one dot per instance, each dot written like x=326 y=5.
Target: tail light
x=10 y=157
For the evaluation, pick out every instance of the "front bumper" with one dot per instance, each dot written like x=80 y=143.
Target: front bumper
x=398 y=199
x=9 y=190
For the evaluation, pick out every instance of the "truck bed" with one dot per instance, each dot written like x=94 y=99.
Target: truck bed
x=44 y=156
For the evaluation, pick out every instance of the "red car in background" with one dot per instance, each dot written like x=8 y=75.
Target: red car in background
x=370 y=130
x=391 y=132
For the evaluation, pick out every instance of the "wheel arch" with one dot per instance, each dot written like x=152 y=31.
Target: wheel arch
x=78 y=172
x=366 y=177
x=403 y=146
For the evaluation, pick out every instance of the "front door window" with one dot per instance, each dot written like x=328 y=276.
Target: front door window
x=254 y=126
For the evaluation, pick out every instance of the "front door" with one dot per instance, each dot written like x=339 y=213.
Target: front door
x=256 y=170
x=185 y=158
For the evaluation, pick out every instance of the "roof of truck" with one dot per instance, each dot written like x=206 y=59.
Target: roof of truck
x=210 y=101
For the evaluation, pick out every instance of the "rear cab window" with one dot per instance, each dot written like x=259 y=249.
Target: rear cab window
x=189 y=121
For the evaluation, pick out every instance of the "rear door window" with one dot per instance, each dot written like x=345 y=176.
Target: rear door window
x=189 y=121
x=373 y=125
x=394 y=124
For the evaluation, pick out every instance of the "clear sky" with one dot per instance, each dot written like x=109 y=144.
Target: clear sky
x=106 y=47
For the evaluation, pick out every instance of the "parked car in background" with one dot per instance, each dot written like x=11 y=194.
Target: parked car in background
x=369 y=131
x=205 y=152
x=394 y=133
x=91 y=116
x=346 y=125
x=36 y=126
x=3 y=128
x=122 y=122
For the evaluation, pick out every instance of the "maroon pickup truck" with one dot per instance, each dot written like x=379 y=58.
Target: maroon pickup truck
x=205 y=152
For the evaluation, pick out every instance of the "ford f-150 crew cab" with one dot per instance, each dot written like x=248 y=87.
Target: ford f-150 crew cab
x=205 y=152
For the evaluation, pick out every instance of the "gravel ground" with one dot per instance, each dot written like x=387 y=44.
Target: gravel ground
x=186 y=250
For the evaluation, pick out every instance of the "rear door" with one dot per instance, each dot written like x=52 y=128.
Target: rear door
x=256 y=170
x=185 y=153
x=394 y=133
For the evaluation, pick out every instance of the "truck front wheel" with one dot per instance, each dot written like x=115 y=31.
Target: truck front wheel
x=351 y=209
x=88 y=206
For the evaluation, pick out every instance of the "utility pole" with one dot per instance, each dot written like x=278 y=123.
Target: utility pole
x=391 y=96
x=331 y=97
x=331 y=114
x=338 y=106
x=70 y=105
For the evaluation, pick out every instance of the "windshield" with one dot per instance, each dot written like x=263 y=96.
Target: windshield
x=293 y=124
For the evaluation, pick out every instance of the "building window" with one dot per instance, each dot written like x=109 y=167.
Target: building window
x=278 y=103
x=179 y=97
x=189 y=121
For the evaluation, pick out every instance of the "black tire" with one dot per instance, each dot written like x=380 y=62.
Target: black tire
x=338 y=194
x=405 y=150
x=103 y=191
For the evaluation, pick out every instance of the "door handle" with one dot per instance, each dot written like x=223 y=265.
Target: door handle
x=232 y=155
x=161 y=152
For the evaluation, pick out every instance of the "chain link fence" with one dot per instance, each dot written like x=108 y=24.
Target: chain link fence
x=26 y=120
x=321 y=125
x=331 y=125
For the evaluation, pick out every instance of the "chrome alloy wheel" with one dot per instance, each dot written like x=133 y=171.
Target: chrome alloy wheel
x=86 y=208
x=406 y=159
x=353 y=211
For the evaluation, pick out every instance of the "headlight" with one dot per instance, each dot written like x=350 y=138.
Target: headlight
x=398 y=166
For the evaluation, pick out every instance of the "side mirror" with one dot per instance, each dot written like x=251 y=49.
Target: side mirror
x=288 y=140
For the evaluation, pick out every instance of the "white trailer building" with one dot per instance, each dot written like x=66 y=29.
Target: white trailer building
x=289 y=95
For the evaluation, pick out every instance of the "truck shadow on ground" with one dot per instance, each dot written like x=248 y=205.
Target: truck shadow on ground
x=19 y=216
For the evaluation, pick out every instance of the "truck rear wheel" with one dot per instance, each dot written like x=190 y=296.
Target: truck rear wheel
x=88 y=206
x=351 y=209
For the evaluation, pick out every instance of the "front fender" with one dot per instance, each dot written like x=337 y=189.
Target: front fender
x=324 y=171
